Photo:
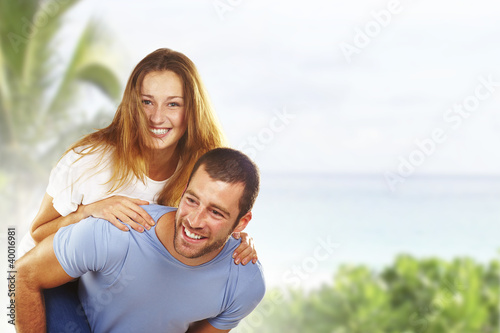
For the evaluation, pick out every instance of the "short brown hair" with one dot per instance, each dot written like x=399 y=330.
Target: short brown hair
x=232 y=166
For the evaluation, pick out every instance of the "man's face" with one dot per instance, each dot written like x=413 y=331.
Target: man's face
x=206 y=216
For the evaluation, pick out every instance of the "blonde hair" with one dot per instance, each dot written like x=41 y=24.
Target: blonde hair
x=128 y=138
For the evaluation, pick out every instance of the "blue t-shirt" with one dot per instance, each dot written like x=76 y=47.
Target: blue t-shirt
x=131 y=283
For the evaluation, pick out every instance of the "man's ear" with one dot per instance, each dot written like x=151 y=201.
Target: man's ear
x=242 y=224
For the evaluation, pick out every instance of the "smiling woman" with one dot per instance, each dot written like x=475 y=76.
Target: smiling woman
x=163 y=124
x=163 y=105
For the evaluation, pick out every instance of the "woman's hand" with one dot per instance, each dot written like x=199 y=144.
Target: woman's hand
x=119 y=208
x=246 y=251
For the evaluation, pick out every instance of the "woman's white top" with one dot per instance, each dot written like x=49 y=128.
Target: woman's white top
x=82 y=180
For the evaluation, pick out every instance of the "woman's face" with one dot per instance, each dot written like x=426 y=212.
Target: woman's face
x=163 y=101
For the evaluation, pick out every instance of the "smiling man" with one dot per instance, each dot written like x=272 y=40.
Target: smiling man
x=176 y=277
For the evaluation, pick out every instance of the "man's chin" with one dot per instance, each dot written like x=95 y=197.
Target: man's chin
x=186 y=252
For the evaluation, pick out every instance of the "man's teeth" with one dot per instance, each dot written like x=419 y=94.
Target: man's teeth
x=191 y=235
x=159 y=131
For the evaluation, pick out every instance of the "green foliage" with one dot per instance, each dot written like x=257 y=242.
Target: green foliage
x=411 y=296
x=41 y=89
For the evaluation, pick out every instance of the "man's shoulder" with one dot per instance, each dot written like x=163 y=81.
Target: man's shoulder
x=249 y=274
x=91 y=245
x=245 y=288
x=95 y=234
x=90 y=228
x=102 y=230
x=156 y=211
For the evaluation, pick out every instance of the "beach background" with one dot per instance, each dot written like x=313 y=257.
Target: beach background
x=375 y=123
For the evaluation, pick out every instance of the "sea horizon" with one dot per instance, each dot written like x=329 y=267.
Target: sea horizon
x=429 y=216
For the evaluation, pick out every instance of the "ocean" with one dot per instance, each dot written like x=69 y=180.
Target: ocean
x=306 y=225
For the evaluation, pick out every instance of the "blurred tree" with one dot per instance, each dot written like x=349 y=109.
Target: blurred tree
x=39 y=88
x=410 y=296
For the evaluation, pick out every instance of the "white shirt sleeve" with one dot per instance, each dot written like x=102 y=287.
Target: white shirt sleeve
x=78 y=179
x=66 y=197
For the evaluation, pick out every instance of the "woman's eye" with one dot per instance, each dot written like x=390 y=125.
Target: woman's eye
x=146 y=102
x=173 y=104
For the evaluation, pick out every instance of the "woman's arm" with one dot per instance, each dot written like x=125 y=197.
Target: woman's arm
x=48 y=220
x=113 y=209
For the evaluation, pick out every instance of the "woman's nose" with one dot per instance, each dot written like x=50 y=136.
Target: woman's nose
x=157 y=116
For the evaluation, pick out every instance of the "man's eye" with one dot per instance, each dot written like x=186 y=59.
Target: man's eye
x=216 y=213
x=190 y=200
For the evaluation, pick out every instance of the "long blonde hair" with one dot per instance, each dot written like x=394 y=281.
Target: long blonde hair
x=128 y=138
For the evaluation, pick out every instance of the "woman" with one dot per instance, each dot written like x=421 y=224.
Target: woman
x=163 y=125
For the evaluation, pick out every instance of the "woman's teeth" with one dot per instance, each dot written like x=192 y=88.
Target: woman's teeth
x=159 y=131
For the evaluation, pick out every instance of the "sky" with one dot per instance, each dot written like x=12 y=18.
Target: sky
x=378 y=87
x=394 y=89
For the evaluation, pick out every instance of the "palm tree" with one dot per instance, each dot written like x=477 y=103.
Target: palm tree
x=39 y=89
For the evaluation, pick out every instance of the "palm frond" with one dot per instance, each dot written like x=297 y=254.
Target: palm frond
x=38 y=89
x=88 y=63
x=102 y=77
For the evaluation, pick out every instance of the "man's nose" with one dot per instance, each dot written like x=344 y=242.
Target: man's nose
x=196 y=219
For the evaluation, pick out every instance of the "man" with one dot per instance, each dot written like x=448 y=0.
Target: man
x=176 y=277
